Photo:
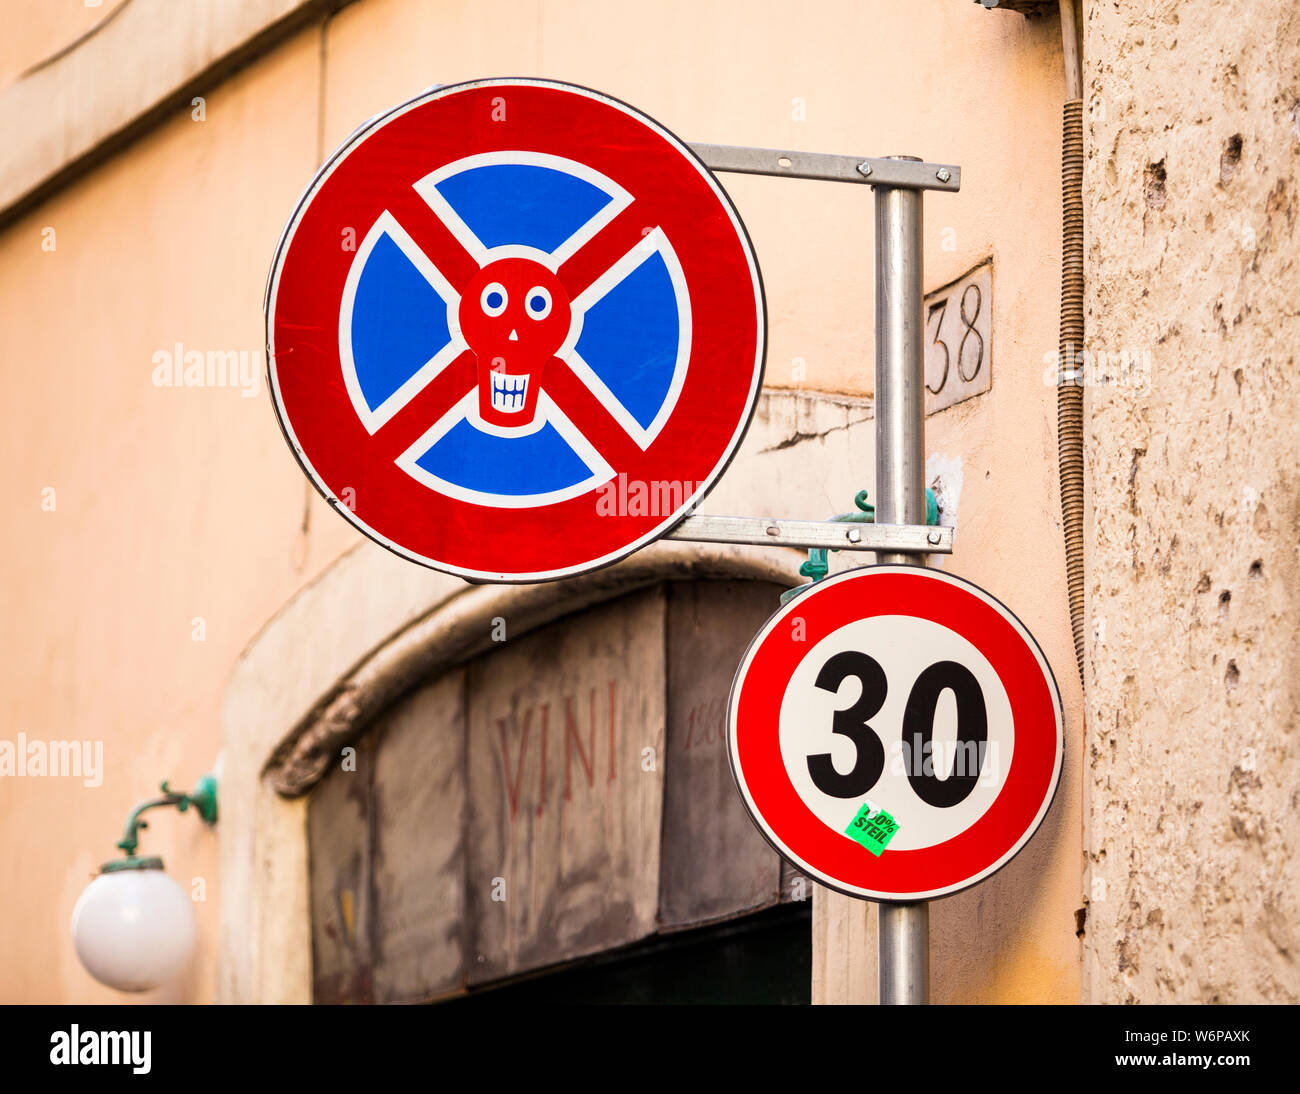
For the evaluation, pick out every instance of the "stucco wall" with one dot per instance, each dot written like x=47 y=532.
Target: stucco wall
x=171 y=505
x=1193 y=759
x=34 y=33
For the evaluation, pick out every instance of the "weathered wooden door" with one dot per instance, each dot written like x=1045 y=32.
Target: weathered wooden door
x=563 y=796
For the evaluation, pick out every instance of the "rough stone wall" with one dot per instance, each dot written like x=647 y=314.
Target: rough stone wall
x=1191 y=827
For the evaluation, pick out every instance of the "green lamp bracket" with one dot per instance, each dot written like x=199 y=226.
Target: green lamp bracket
x=818 y=564
x=204 y=800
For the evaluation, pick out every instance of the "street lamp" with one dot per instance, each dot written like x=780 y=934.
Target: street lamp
x=134 y=927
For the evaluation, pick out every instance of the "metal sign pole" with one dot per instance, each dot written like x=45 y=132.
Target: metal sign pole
x=899 y=183
x=900 y=499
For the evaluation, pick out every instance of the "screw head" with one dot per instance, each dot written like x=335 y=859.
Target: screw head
x=943 y=174
x=864 y=169
x=933 y=537
x=855 y=536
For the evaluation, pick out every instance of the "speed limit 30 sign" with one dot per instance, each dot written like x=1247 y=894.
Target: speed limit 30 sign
x=896 y=733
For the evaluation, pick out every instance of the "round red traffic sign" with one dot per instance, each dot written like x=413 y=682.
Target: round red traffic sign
x=515 y=330
x=896 y=733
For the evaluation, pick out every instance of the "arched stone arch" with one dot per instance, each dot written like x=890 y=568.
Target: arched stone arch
x=346 y=648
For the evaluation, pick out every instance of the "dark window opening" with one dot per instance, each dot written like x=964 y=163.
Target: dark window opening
x=764 y=958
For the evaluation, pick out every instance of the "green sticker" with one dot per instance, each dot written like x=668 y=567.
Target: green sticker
x=872 y=827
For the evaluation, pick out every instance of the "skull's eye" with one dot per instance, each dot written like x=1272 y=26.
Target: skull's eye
x=539 y=303
x=494 y=299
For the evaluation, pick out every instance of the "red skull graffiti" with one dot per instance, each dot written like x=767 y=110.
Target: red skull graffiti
x=514 y=315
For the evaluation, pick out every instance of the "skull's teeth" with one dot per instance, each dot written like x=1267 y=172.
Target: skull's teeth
x=508 y=392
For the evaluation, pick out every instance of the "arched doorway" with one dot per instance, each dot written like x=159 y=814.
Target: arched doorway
x=554 y=818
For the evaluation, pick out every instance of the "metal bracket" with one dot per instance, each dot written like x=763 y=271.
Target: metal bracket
x=901 y=174
x=760 y=531
x=204 y=800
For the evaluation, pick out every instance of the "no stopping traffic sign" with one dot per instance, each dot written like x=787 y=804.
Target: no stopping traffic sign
x=515 y=330
x=913 y=693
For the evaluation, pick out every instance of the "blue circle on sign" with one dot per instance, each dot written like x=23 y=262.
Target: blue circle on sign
x=629 y=340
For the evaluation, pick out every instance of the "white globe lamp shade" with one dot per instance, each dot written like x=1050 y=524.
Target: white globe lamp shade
x=134 y=927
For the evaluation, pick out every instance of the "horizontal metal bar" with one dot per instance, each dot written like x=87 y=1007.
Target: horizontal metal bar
x=841 y=536
x=897 y=174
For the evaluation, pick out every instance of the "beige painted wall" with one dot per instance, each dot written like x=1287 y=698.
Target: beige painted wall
x=1192 y=751
x=175 y=504
x=35 y=31
x=171 y=504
